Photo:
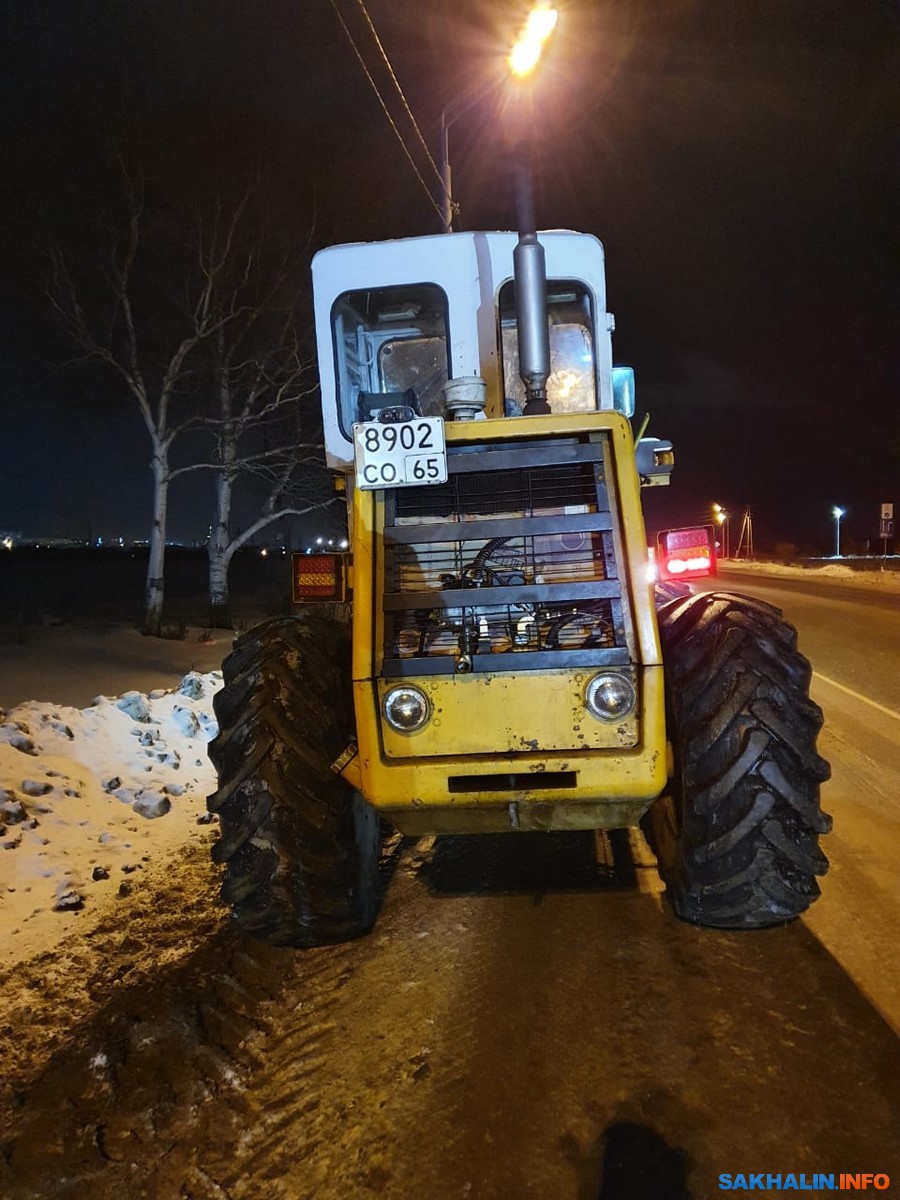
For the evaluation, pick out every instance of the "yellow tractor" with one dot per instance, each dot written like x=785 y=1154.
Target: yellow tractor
x=493 y=655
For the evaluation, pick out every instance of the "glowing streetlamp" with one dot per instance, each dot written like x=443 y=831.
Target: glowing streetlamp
x=522 y=60
x=526 y=53
x=837 y=513
x=720 y=516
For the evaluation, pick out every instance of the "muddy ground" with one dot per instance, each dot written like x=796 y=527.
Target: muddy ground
x=525 y=1021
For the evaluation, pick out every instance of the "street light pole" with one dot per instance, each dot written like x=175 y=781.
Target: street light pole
x=837 y=513
x=720 y=516
x=522 y=61
x=449 y=115
x=446 y=199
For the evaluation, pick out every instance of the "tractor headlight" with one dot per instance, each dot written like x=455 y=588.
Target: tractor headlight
x=406 y=709
x=610 y=696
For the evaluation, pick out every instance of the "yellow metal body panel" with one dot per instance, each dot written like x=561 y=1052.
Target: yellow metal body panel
x=513 y=712
x=630 y=773
x=525 y=724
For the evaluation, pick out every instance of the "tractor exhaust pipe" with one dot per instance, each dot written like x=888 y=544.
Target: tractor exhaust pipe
x=530 y=272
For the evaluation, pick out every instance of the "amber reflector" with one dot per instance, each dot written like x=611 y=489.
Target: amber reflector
x=318 y=577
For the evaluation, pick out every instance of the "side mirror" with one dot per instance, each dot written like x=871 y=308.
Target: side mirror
x=655 y=460
x=623 y=390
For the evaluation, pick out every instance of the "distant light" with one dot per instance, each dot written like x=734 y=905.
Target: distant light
x=320 y=541
x=344 y=543
x=7 y=543
x=526 y=53
x=264 y=552
x=837 y=513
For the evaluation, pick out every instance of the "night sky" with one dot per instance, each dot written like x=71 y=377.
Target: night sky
x=739 y=159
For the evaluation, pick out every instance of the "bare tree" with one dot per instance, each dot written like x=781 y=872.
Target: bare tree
x=208 y=327
x=266 y=433
x=116 y=318
x=264 y=424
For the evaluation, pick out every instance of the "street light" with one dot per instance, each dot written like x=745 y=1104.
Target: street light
x=526 y=53
x=720 y=516
x=837 y=513
x=455 y=112
x=522 y=60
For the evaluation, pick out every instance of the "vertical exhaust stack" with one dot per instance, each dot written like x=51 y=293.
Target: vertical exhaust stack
x=529 y=269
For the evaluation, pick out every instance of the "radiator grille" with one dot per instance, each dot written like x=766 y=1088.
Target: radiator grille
x=509 y=565
x=518 y=490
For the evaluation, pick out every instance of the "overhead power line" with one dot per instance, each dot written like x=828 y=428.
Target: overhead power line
x=396 y=83
x=362 y=62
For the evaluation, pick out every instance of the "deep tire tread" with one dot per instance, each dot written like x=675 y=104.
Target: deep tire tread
x=746 y=852
x=299 y=847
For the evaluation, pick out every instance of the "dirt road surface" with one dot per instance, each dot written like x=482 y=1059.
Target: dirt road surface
x=522 y=1023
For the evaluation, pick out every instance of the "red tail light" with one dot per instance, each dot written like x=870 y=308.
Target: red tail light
x=686 y=553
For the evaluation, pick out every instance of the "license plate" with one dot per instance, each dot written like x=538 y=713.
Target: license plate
x=403 y=454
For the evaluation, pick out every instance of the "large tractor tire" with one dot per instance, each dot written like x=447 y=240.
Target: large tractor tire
x=736 y=836
x=300 y=847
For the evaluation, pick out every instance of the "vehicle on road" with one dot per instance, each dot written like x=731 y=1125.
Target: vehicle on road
x=492 y=656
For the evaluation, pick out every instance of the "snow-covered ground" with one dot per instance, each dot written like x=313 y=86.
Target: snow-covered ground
x=90 y=800
x=824 y=570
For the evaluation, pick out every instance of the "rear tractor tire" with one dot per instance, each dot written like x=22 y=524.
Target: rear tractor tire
x=300 y=847
x=736 y=836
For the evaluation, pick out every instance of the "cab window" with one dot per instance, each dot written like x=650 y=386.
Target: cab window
x=572 y=385
x=390 y=344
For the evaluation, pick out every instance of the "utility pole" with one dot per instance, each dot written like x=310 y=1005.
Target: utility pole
x=745 y=542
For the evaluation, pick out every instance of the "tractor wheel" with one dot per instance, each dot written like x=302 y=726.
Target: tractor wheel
x=300 y=847
x=736 y=837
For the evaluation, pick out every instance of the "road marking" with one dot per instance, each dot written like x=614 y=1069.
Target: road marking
x=888 y=712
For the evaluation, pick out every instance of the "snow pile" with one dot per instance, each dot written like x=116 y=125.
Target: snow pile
x=89 y=796
x=827 y=572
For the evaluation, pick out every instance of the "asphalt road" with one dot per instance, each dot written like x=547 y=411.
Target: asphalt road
x=528 y=1021
x=851 y=635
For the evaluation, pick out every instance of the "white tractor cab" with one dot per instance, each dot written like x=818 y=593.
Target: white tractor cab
x=396 y=322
